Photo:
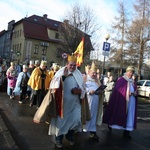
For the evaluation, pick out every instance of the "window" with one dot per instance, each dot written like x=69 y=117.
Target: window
x=20 y=31
x=44 y=50
x=57 y=36
x=20 y=47
x=36 y=48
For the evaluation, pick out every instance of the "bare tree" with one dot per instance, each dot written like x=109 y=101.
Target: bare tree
x=119 y=40
x=79 y=22
x=139 y=32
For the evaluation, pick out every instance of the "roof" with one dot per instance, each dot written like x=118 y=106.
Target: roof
x=2 y=32
x=36 y=27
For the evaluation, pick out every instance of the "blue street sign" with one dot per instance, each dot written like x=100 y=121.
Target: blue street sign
x=106 y=46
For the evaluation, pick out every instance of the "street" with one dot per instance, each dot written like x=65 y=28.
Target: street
x=31 y=136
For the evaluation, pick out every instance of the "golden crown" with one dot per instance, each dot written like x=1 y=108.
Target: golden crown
x=72 y=58
x=43 y=62
x=87 y=68
x=93 y=67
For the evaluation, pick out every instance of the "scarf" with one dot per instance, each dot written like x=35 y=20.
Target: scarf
x=128 y=86
x=55 y=83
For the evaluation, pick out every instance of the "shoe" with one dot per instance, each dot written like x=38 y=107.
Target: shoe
x=126 y=134
x=27 y=97
x=11 y=97
x=94 y=136
x=59 y=144
x=71 y=143
x=20 y=102
x=30 y=104
x=109 y=128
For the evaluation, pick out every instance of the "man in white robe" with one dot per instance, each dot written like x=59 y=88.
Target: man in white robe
x=69 y=118
x=92 y=84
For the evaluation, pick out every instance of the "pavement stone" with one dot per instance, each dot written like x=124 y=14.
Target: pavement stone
x=6 y=140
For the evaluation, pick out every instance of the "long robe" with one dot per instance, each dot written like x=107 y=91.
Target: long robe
x=71 y=111
x=121 y=112
x=18 y=83
x=93 y=101
x=108 y=90
x=35 y=81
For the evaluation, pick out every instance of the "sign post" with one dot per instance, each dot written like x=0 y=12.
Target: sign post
x=64 y=56
x=106 y=49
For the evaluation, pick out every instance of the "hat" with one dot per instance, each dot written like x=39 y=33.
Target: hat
x=98 y=70
x=54 y=64
x=44 y=63
x=25 y=67
x=31 y=62
x=37 y=62
x=72 y=58
x=130 y=68
x=93 y=67
x=12 y=63
x=87 y=68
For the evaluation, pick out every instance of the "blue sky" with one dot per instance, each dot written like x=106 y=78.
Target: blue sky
x=18 y=9
x=104 y=10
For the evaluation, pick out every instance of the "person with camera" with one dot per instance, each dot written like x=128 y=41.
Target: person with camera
x=68 y=86
x=39 y=82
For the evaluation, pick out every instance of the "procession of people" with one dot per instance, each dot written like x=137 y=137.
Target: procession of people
x=76 y=99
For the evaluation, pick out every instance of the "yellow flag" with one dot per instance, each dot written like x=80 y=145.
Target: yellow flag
x=79 y=52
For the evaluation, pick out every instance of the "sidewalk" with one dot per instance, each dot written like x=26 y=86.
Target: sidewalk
x=6 y=140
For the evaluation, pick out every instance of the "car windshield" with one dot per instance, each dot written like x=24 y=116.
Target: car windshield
x=140 y=83
x=147 y=83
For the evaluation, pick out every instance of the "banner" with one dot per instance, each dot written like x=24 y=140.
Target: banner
x=79 y=52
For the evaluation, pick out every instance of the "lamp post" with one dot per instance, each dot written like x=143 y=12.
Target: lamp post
x=106 y=48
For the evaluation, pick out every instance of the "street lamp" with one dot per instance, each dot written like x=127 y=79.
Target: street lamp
x=106 y=47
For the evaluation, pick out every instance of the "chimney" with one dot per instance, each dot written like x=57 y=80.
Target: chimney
x=45 y=17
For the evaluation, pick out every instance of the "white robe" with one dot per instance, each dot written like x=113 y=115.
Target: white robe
x=71 y=106
x=93 y=101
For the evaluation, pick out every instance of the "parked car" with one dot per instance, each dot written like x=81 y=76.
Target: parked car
x=144 y=88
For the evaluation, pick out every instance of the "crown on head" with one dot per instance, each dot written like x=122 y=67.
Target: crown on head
x=87 y=68
x=72 y=58
x=43 y=62
x=93 y=67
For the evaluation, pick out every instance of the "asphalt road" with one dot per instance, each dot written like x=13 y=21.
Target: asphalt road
x=18 y=131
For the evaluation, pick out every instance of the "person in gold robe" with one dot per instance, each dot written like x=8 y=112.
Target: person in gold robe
x=39 y=82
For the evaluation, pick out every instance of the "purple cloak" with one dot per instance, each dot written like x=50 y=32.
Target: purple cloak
x=115 y=113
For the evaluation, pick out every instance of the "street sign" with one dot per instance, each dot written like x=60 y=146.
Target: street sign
x=93 y=55
x=106 y=46
x=64 y=55
x=105 y=53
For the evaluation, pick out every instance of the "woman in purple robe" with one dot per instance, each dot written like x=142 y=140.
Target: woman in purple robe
x=121 y=112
